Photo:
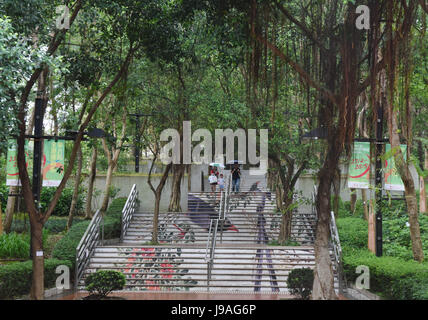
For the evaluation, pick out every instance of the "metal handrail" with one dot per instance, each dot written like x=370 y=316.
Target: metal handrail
x=128 y=210
x=212 y=233
x=337 y=251
x=226 y=205
x=87 y=245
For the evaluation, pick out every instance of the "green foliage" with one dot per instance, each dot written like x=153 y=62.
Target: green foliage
x=53 y=225
x=4 y=191
x=396 y=235
x=63 y=206
x=353 y=232
x=392 y=277
x=16 y=278
x=14 y=245
x=17 y=246
x=103 y=282
x=65 y=249
x=300 y=282
x=112 y=219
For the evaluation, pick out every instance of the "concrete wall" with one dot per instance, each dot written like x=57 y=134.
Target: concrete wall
x=125 y=182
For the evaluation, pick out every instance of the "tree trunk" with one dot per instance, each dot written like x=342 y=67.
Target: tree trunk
x=287 y=216
x=109 y=177
x=336 y=188
x=365 y=205
x=158 y=194
x=409 y=188
x=353 y=200
x=76 y=188
x=92 y=176
x=175 y=199
x=37 y=287
x=323 y=288
x=155 y=232
x=422 y=189
x=10 y=209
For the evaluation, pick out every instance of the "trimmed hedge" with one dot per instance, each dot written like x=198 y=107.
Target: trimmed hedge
x=392 y=277
x=353 y=232
x=65 y=249
x=113 y=219
x=16 y=278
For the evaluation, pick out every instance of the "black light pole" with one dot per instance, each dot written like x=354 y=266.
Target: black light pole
x=137 y=144
x=138 y=138
x=378 y=177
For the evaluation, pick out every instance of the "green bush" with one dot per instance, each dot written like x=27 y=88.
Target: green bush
x=103 y=282
x=353 y=232
x=65 y=249
x=16 y=278
x=53 y=225
x=63 y=206
x=17 y=246
x=4 y=191
x=300 y=282
x=392 y=277
x=113 y=219
x=396 y=236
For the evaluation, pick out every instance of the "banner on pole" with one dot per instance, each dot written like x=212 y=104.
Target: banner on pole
x=12 y=172
x=359 y=169
x=53 y=163
x=392 y=179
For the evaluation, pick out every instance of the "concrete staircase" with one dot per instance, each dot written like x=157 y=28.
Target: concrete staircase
x=177 y=268
x=243 y=261
x=252 y=220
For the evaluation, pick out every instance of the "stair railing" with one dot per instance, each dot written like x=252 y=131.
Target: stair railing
x=337 y=251
x=225 y=207
x=128 y=211
x=87 y=245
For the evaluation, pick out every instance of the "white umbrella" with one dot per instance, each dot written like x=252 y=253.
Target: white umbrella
x=215 y=164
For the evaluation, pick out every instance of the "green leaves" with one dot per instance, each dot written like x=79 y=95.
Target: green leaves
x=103 y=282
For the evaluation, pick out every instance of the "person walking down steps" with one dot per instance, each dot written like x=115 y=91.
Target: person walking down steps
x=213 y=181
x=236 y=178
x=220 y=182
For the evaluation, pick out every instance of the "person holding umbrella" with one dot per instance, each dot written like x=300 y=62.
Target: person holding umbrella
x=236 y=177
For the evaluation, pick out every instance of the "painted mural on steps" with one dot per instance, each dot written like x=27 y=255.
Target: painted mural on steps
x=155 y=269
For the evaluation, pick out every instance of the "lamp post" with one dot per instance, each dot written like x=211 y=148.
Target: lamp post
x=321 y=133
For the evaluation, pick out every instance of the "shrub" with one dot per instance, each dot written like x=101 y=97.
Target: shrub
x=396 y=236
x=113 y=219
x=63 y=206
x=391 y=276
x=55 y=225
x=300 y=281
x=103 y=282
x=353 y=232
x=65 y=249
x=4 y=191
x=16 y=278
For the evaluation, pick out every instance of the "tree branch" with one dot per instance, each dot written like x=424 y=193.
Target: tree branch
x=303 y=74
